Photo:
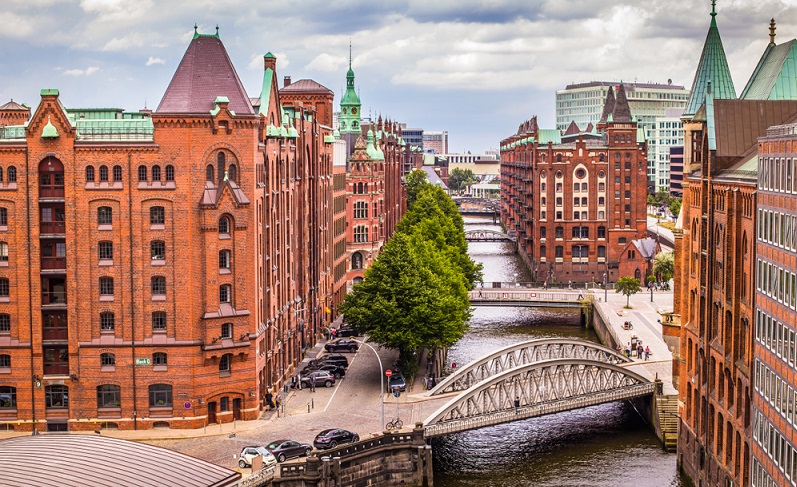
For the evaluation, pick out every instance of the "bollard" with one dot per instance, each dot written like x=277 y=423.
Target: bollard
x=308 y=408
x=312 y=402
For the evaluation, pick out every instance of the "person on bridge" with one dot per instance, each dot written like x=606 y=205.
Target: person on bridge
x=639 y=351
x=647 y=352
x=517 y=404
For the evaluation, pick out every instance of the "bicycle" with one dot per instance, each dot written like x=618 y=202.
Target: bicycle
x=395 y=424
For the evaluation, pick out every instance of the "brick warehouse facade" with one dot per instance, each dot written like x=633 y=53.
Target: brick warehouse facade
x=166 y=268
x=576 y=201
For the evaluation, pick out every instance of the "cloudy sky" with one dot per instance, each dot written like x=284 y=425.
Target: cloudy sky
x=476 y=68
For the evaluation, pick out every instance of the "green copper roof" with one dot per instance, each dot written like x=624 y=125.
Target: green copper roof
x=328 y=139
x=265 y=91
x=549 y=135
x=269 y=55
x=640 y=135
x=775 y=77
x=197 y=34
x=49 y=131
x=50 y=92
x=711 y=129
x=711 y=70
x=12 y=132
x=272 y=131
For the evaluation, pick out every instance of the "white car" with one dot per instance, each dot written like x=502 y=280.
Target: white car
x=250 y=452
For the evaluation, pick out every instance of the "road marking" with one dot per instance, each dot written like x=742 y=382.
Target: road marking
x=339 y=384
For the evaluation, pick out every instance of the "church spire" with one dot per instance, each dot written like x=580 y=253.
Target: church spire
x=350 y=104
x=712 y=68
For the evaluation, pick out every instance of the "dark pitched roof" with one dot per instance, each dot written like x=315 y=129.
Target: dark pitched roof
x=306 y=85
x=589 y=128
x=608 y=106
x=739 y=123
x=74 y=460
x=204 y=73
x=621 y=111
x=572 y=129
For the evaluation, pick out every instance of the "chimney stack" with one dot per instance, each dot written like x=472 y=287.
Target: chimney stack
x=287 y=82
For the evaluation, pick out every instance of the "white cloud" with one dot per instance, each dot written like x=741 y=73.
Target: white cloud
x=82 y=72
x=155 y=60
x=327 y=63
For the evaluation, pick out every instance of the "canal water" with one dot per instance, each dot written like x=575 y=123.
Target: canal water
x=605 y=445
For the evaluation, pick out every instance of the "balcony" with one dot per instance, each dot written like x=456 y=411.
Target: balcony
x=51 y=191
x=54 y=297
x=56 y=360
x=53 y=263
x=60 y=334
x=50 y=228
x=56 y=368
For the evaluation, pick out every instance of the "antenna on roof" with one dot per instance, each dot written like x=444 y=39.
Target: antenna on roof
x=217 y=30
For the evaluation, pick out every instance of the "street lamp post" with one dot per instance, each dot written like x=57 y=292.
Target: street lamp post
x=381 y=376
x=605 y=288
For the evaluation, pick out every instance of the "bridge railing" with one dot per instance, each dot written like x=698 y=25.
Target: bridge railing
x=526 y=295
x=541 y=285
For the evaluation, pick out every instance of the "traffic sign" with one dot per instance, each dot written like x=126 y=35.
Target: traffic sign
x=388 y=372
x=453 y=365
x=187 y=405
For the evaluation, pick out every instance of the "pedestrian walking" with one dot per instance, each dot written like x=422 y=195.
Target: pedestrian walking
x=639 y=351
x=278 y=400
x=312 y=382
x=628 y=350
x=334 y=332
x=517 y=404
x=647 y=353
x=570 y=284
x=270 y=400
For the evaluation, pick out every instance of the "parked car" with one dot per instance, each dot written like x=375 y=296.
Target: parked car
x=396 y=381
x=343 y=344
x=284 y=449
x=331 y=358
x=333 y=437
x=336 y=370
x=322 y=378
x=345 y=331
x=250 y=452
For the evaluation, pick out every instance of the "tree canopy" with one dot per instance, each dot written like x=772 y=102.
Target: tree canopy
x=664 y=265
x=459 y=178
x=628 y=286
x=415 y=181
x=415 y=294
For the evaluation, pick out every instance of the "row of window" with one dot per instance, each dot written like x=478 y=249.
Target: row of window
x=116 y=173
x=157 y=252
x=774 y=390
x=578 y=251
x=760 y=477
x=108 y=396
x=577 y=232
x=776 y=446
x=777 y=174
x=778 y=337
x=12 y=174
x=157 y=216
x=777 y=229
x=777 y=283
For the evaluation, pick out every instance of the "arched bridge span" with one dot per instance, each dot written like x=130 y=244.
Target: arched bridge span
x=521 y=354
x=541 y=388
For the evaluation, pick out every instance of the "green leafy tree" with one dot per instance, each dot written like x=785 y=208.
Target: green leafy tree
x=628 y=286
x=664 y=265
x=415 y=181
x=459 y=178
x=412 y=297
x=675 y=207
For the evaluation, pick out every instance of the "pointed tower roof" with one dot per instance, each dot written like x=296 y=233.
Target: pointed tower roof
x=204 y=73
x=572 y=129
x=608 y=106
x=621 y=111
x=350 y=97
x=775 y=77
x=713 y=69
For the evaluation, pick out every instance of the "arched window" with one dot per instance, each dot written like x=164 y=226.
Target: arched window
x=107 y=360
x=225 y=293
x=224 y=259
x=157 y=215
x=103 y=174
x=159 y=321
x=142 y=173
x=158 y=285
x=356 y=260
x=5 y=362
x=602 y=157
x=8 y=397
x=107 y=322
x=89 y=174
x=221 y=162
x=109 y=396
x=56 y=396
x=225 y=364
x=117 y=174
x=160 y=395
x=169 y=173
x=157 y=250
x=106 y=286
x=209 y=172
x=156 y=173
x=232 y=173
x=224 y=225
x=12 y=174
x=104 y=215
x=105 y=250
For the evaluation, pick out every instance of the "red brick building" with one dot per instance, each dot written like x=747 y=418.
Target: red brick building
x=164 y=268
x=576 y=201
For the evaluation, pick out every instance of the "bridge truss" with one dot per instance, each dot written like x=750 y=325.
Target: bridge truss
x=487 y=236
x=525 y=353
x=541 y=388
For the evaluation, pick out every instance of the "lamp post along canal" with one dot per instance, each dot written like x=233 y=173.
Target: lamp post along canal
x=605 y=288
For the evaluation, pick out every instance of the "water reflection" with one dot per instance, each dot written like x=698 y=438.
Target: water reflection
x=605 y=445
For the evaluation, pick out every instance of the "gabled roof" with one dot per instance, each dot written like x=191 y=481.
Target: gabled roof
x=775 y=77
x=621 y=111
x=647 y=247
x=305 y=86
x=572 y=129
x=711 y=70
x=204 y=73
x=212 y=194
x=608 y=106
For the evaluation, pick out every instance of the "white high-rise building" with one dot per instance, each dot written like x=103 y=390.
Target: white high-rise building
x=582 y=103
x=668 y=132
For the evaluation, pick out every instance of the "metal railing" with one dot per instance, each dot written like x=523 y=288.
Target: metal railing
x=53 y=263
x=54 y=297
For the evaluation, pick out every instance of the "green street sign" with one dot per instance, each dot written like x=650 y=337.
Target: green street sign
x=142 y=361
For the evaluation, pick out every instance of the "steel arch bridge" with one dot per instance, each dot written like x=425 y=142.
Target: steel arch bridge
x=487 y=236
x=545 y=387
x=525 y=353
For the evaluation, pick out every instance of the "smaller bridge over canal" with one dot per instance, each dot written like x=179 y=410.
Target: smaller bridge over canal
x=530 y=298
x=488 y=236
